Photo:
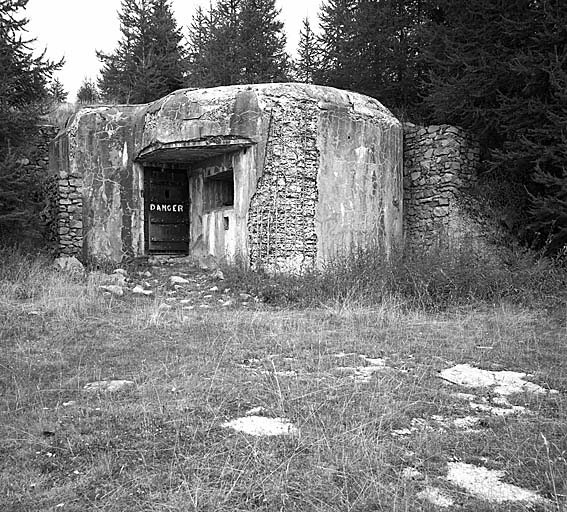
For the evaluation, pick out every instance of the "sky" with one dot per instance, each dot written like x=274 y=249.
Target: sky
x=75 y=29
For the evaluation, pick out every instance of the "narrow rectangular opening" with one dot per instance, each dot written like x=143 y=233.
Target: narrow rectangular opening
x=218 y=191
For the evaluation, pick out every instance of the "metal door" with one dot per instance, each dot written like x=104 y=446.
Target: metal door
x=167 y=210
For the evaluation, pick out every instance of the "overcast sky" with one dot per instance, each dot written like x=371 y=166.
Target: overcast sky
x=74 y=29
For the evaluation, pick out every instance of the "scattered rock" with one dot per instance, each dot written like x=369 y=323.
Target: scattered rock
x=114 y=289
x=498 y=411
x=467 y=423
x=109 y=386
x=178 y=280
x=411 y=474
x=69 y=264
x=121 y=271
x=503 y=382
x=218 y=274
x=138 y=290
x=485 y=484
x=344 y=354
x=262 y=426
x=117 y=279
x=208 y=262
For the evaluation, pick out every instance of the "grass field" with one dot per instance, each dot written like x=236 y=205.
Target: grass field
x=366 y=440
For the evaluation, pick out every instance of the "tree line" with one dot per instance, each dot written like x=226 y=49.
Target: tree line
x=497 y=68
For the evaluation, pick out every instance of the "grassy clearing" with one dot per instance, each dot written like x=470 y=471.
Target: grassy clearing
x=161 y=446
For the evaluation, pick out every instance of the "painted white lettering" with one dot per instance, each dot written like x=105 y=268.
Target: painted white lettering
x=152 y=207
x=168 y=207
x=180 y=208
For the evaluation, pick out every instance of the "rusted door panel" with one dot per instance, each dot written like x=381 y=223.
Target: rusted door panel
x=167 y=210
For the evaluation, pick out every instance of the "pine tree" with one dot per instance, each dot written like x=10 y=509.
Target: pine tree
x=88 y=92
x=374 y=47
x=149 y=60
x=198 y=40
x=57 y=91
x=223 y=50
x=262 y=43
x=235 y=42
x=338 y=44
x=24 y=78
x=24 y=96
x=500 y=70
x=308 y=62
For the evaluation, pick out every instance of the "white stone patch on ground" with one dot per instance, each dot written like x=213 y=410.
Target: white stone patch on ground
x=400 y=432
x=435 y=496
x=411 y=474
x=416 y=425
x=178 y=280
x=262 y=426
x=374 y=361
x=499 y=411
x=467 y=423
x=504 y=382
x=138 y=290
x=113 y=289
x=485 y=484
x=109 y=386
x=364 y=373
x=464 y=396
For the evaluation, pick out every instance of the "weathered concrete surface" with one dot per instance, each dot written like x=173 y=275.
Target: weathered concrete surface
x=359 y=179
x=95 y=156
x=314 y=169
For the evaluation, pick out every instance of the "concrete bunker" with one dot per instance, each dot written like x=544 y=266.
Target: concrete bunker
x=284 y=176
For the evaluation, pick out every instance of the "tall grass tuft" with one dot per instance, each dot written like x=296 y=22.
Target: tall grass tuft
x=444 y=275
x=30 y=284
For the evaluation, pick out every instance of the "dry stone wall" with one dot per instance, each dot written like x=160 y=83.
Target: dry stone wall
x=440 y=165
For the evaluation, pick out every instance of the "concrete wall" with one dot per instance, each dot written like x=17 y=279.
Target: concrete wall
x=359 y=182
x=315 y=170
x=99 y=186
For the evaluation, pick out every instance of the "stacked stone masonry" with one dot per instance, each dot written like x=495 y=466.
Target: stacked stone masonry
x=440 y=165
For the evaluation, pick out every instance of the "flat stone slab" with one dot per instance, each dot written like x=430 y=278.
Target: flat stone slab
x=503 y=382
x=113 y=289
x=486 y=484
x=262 y=426
x=109 y=386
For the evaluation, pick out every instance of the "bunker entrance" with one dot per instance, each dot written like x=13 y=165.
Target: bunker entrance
x=183 y=183
x=166 y=210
